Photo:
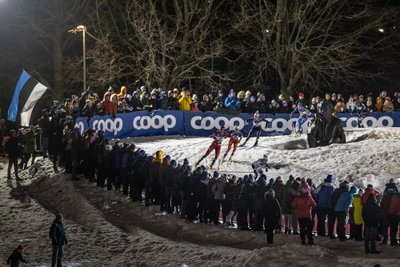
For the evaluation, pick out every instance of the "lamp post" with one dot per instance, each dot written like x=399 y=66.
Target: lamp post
x=82 y=28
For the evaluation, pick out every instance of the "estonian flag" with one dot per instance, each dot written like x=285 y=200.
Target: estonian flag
x=26 y=95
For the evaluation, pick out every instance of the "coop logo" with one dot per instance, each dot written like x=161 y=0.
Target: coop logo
x=80 y=127
x=368 y=122
x=156 y=122
x=208 y=123
x=109 y=125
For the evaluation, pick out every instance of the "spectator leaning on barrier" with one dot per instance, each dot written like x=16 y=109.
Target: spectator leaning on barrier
x=231 y=101
x=185 y=101
x=388 y=105
x=206 y=104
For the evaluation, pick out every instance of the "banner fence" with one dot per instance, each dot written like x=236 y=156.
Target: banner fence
x=194 y=123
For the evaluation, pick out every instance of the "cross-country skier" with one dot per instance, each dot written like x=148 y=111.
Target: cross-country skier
x=257 y=120
x=303 y=117
x=235 y=138
x=218 y=137
x=259 y=165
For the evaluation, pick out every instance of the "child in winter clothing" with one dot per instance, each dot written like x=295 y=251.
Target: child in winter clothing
x=303 y=203
x=272 y=215
x=14 y=259
x=357 y=224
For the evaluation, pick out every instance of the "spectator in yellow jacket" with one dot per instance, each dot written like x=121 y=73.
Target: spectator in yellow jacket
x=185 y=100
x=357 y=216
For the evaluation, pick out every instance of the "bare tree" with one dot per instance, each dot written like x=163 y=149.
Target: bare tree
x=312 y=41
x=162 y=43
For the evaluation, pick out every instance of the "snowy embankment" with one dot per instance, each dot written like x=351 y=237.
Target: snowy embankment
x=369 y=156
x=106 y=229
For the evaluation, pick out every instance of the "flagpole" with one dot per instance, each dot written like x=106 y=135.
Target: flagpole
x=84 y=60
x=82 y=28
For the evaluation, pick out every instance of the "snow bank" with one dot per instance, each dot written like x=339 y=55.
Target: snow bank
x=106 y=229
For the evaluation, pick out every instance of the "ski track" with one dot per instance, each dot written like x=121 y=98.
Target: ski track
x=106 y=229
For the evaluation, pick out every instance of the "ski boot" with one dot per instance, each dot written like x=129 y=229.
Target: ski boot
x=197 y=163
x=212 y=163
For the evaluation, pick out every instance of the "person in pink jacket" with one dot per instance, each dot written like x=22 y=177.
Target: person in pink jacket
x=303 y=203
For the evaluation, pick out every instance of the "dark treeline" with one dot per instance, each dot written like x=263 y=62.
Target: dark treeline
x=276 y=46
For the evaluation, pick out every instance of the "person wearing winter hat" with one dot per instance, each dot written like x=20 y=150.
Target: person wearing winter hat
x=58 y=239
x=357 y=225
x=16 y=256
x=324 y=193
x=272 y=215
x=303 y=203
x=218 y=137
x=371 y=213
x=341 y=210
x=154 y=190
x=218 y=190
x=256 y=128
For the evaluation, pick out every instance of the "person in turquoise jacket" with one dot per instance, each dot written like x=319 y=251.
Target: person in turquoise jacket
x=341 y=210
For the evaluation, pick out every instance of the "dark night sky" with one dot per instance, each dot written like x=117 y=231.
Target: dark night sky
x=17 y=50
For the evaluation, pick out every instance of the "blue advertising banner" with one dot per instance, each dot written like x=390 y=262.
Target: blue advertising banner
x=192 y=123
x=134 y=124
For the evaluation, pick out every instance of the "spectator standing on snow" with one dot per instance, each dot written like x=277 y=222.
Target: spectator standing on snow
x=343 y=187
x=15 y=257
x=394 y=218
x=272 y=215
x=357 y=225
x=280 y=195
x=58 y=240
x=11 y=148
x=370 y=213
x=341 y=210
x=303 y=203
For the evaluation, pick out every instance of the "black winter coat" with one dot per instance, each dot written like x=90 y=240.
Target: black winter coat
x=272 y=213
x=281 y=194
x=11 y=147
x=371 y=212
x=14 y=259
x=57 y=234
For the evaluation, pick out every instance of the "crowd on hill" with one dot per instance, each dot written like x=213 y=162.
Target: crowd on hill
x=112 y=102
x=199 y=195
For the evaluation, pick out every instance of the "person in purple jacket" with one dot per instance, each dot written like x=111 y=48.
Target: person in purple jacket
x=324 y=209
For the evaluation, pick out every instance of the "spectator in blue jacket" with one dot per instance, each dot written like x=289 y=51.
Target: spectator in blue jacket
x=341 y=210
x=231 y=101
x=58 y=239
x=324 y=193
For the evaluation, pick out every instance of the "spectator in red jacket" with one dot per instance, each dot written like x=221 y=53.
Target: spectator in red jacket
x=303 y=203
x=369 y=190
x=107 y=106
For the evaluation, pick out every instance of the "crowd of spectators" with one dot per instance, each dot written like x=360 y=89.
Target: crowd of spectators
x=112 y=102
x=250 y=202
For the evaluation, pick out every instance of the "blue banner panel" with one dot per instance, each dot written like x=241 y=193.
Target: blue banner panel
x=134 y=124
x=194 y=123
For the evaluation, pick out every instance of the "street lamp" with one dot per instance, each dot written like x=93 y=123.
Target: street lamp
x=81 y=28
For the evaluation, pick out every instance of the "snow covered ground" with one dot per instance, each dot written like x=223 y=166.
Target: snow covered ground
x=106 y=229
